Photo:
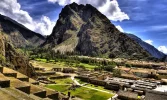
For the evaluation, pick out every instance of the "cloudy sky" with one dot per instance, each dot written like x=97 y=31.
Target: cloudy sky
x=144 y=18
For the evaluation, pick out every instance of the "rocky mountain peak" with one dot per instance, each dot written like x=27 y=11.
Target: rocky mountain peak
x=82 y=28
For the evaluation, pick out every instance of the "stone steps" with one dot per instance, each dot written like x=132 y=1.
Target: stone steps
x=4 y=82
x=34 y=82
x=22 y=86
x=22 y=77
x=38 y=91
x=12 y=73
x=6 y=96
x=17 y=83
x=17 y=94
x=52 y=94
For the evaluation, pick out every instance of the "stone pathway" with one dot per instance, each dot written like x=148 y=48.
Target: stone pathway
x=82 y=85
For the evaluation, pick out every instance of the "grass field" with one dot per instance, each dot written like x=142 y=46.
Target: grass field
x=39 y=59
x=87 y=66
x=51 y=64
x=82 y=92
x=81 y=82
x=89 y=94
x=61 y=88
x=93 y=86
x=48 y=65
x=97 y=87
x=63 y=81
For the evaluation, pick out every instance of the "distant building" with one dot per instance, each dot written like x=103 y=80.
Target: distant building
x=68 y=70
x=162 y=72
x=127 y=95
x=155 y=95
x=57 y=69
x=143 y=73
x=113 y=86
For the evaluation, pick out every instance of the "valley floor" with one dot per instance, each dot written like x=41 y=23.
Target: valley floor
x=85 y=90
x=80 y=82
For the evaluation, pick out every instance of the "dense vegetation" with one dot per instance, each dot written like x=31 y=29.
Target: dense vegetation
x=70 y=59
x=73 y=59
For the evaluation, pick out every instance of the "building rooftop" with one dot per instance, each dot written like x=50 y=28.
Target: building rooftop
x=130 y=95
x=161 y=88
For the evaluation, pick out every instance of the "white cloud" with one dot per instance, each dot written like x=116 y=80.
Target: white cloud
x=12 y=9
x=158 y=27
x=149 y=41
x=110 y=8
x=163 y=49
x=120 y=28
x=45 y=26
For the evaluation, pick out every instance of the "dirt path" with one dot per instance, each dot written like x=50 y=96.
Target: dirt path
x=76 y=82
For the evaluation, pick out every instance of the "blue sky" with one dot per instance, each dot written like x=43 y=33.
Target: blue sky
x=145 y=18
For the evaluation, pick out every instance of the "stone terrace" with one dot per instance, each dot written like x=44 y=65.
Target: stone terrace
x=15 y=85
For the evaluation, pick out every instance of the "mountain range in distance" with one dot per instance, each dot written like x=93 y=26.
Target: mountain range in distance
x=19 y=34
x=83 y=29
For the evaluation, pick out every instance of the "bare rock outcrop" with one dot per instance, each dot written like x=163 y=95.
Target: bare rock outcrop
x=10 y=57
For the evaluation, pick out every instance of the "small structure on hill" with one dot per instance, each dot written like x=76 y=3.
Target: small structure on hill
x=126 y=95
x=155 y=95
x=57 y=69
x=162 y=72
x=68 y=70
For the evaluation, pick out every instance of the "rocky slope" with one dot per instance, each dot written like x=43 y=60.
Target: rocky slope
x=83 y=29
x=10 y=57
x=18 y=34
x=151 y=49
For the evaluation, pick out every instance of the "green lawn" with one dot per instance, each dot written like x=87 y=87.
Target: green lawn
x=39 y=59
x=92 y=86
x=87 y=66
x=63 y=81
x=98 y=87
x=90 y=94
x=82 y=92
x=61 y=88
x=79 y=80
x=51 y=63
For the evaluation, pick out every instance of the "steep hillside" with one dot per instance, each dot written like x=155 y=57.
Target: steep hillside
x=83 y=29
x=18 y=34
x=10 y=57
x=151 y=49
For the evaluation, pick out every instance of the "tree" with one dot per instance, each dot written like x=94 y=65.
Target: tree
x=109 y=68
x=128 y=65
x=112 y=56
x=2 y=59
x=117 y=73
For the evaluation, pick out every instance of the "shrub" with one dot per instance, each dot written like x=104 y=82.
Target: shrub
x=2 y=58
x=128 y=65
x=82 y=66
x=117 y=73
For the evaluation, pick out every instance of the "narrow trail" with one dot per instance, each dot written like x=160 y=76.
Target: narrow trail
x=82 y=85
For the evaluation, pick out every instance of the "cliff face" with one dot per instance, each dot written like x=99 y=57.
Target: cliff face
x=19 y=35
x=83 y=29
x=151 y=49
x=10 y=57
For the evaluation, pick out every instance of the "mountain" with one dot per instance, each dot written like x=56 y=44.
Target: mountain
x=19 y=34
x=83 y=29
x=151 y=49
x=13 y=58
